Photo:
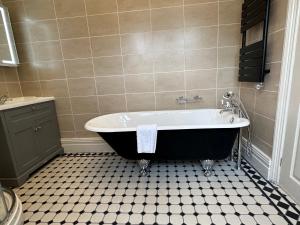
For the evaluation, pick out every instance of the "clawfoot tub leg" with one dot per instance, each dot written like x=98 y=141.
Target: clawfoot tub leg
x=208 y=166
x=144 y=165
x=239 y=159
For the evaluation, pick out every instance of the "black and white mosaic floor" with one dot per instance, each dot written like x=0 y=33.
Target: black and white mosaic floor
x=107 y=189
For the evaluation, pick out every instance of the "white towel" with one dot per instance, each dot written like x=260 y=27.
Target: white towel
x=146 y=138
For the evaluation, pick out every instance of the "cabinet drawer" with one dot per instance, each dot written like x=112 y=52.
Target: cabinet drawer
x=28 y=111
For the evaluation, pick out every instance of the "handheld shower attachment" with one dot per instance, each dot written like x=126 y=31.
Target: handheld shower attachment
x=234 y=100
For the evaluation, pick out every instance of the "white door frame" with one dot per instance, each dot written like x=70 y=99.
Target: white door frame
x=287 y=70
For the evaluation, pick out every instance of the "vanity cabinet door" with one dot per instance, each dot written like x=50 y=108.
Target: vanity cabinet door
x=47 y=135
x=23 y=138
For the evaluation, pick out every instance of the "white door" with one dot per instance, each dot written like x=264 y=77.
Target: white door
x=290 y=168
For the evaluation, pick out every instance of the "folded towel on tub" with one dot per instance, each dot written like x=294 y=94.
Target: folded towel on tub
x=146 y=138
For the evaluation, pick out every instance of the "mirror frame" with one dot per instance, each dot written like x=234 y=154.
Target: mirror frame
x=10 y=39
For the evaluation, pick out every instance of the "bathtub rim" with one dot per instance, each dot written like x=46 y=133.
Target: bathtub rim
x=242 y=123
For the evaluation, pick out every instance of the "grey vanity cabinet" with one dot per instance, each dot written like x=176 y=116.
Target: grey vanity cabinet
x=29 y=137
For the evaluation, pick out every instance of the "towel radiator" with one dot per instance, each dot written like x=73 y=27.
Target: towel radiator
x=252 y=67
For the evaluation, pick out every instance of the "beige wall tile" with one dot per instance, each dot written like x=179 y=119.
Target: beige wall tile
x=229 y=57
x=63 y=106
x=69 y=8
x=31 y=88
x=128 y=5
x=16 y=11
x=168 y=61
x=25 y=52
x=248 y=98
x=139 y=83
x=173 y=81
x=106 y=46
x=81 y=105
x=67 y=134
x=73 y=27
x=80 y=120
x=20 y=31
x=208 y=99
x=264 y=128
x=103 y=24
x=82 y=87
x=66 y=123
x=105 y=66
x=266 y=148
x=86 y=134
x=51 y=70
x=167 y=18
x=45 y=30
x=56 y=88
x=168 y=40
x=201 y=79
x=134 y=64
x=165 y=3
x=14 y=90
x=187 y=2
x=45 y=51
x=201 y=37
x=266 y=103
x=140 y=102
x=230 y=11
x=11 y=74
x=275 y=46
x=27 y=72
x=110 y=85
x=76 y=48
x=112 y=104
x=79 y=68
x=39 y=9
x=230 y=35
x=201 y=59
x=136 y=21
x=137 y=43
x=167 y=100
x=228 y=78
x=100 y=6
x=272 y=79
x=3 y=89
x=201 y=15
x=278 y=15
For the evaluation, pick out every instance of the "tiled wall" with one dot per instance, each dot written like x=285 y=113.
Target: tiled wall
x=104 y=56
x=262 y=104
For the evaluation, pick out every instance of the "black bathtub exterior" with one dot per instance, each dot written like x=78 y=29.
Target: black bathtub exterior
x=193 y=144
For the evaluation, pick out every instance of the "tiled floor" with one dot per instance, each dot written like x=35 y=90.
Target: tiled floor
x=106 y=189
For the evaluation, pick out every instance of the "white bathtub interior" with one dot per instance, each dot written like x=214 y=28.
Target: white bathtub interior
x=167 y=120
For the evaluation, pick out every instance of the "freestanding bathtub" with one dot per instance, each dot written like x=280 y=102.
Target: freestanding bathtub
x=203 y=134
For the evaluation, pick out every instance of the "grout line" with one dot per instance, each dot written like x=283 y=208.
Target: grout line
x=184 y=51
x=218 y=40
x=93 y=65
x=153 y=61
x=67 y=82
x=122 y=57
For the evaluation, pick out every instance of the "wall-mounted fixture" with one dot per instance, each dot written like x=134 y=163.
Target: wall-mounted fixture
x=253 y=56
x=182 y=100
x=8 y=51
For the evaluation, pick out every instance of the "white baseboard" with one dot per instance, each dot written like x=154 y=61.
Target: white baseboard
x=82 y=145
x=258 y=159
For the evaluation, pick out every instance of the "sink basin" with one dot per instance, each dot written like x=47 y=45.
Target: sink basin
x=23 y=101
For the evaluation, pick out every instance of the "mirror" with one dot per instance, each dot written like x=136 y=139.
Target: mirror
x=8 y=51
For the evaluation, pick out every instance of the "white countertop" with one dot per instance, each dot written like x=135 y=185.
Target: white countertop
x=23 y=101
